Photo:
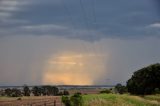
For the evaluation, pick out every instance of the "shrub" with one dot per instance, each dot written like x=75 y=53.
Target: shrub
x=121 y=89
x=66 y=100
x=106 y=91
x=76 y=100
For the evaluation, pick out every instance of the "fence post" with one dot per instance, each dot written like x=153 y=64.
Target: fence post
x=44 y=103
x=54 y=102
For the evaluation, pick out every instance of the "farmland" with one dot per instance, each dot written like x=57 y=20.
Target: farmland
x=31 y=101
x=89 y=100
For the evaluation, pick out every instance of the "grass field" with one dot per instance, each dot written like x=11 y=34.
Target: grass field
x=90 y=100
x=120 y=100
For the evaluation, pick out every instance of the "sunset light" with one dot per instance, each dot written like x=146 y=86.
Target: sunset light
x=73 y=69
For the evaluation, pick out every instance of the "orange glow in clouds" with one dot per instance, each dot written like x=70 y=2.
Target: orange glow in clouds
x=72 y=69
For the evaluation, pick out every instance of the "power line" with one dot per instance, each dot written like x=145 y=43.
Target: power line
x=87 y=25
x=95 y=24
x=73 y=23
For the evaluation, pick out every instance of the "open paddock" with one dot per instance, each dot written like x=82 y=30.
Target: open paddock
x=31 y=101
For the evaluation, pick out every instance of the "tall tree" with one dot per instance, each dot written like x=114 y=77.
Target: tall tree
x=26 y=90
x=8 y=92
x=36 y=91
x=50 y=90
x=145 y=80
x=16 y=93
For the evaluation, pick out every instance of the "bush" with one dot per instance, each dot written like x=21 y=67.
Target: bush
x=106 y=91
x=75 y=100
x=66 y=100
x=121 y=89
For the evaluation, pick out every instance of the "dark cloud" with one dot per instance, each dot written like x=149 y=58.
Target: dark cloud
x=112 y=19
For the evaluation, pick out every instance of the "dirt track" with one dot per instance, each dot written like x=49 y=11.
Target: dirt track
x=36 y=101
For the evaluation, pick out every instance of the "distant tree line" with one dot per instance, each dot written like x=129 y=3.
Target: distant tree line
x=26 y=91
x=12 y=92
x=45 y=90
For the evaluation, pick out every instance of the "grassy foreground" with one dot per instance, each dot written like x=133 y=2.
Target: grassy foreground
x=120 y=100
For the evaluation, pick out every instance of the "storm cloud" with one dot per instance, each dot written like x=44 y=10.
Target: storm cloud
x=116 y=37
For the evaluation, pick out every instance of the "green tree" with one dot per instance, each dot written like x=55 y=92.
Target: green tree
x=36 y=91
x=43 y=90
x=26 y=90
x=145 y=80
x=50 y=90
x=120 y=88
x=2 y=93
x=76 y=100
x=8 y=92
x=65 y=92
x=53 y=90
x=66 y=100
x=16 y=93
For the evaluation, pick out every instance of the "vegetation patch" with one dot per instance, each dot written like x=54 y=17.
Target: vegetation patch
x=117 y=100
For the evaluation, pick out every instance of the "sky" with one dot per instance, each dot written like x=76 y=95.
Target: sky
x=77 y=42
